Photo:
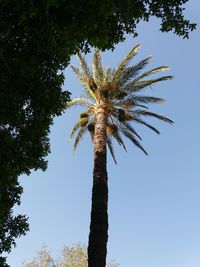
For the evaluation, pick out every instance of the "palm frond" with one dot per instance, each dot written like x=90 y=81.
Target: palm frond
x=84 y=65
x=97 y=67
x=141 y=106
x=136 y=86
x=124 y=103
x=128 y=127
x=133 y=140
x=76 y=70
x=152 y=114
x=118 y=94
x=120 y=68
x=110 y=146
x=108 y=75
x=82 y=101
x=119 y=140
x=147 y=125
x=92 y=136
x=74 y=130
x=147 y=99
x=129 y=104
x=153 y=71
x=79 y=136
x=85 y=80
x=133 y=71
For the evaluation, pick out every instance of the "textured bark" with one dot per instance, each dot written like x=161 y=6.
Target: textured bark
x=98 y=237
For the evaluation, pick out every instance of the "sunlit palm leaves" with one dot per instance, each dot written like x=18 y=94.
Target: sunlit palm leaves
x=119 y=89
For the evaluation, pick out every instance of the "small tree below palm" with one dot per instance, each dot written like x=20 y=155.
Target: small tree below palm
x=113 y=105
x=75 y=256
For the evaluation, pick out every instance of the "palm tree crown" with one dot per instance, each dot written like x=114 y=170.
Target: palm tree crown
x=119 y=91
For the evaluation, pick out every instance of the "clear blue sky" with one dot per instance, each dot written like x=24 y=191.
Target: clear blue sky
x=154 y=204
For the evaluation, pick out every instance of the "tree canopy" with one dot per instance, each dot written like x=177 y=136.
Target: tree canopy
x=119 y=90
x=11 y=226
x=75 y=256
x=37 y=39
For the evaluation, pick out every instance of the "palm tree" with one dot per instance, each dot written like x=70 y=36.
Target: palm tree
x=112 y=102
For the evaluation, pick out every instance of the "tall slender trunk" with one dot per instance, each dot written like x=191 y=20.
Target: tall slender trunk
x=98 y=237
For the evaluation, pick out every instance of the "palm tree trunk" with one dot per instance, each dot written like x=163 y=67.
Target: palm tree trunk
x=98 y=237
